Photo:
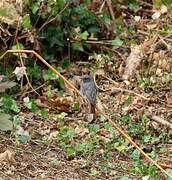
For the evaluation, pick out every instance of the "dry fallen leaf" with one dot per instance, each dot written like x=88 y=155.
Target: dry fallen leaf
x=137 y=18
x=11 y=16
x=53 y=135
x=6 y=85
x=164 y=9
x=19 y=72
x=80 y=132
x=156 y=15
x=133 y=61
x=104 y=132
x=151 y=26
x=62 y=104
x=7 y=156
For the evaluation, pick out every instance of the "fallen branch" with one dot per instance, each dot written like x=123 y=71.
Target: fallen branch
x=98 y=109
x=161 y=121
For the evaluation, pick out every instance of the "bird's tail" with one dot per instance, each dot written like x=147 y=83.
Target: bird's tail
x=93 y=108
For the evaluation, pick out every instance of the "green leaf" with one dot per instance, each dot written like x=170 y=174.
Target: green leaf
x=77 y=46
x=5 y=123
x=3 y=12
x=61 y=116
x=84 y=35
x=136 y=155
x=24 y=138
x=121 y=148
x=94 y=172
x=94 y=128
x=76 y=106
x=147 y=138
x=26 y=22
x=102 y=118
x=31 y=104
x=108 y=126
x=10 y=104
x=125 y=178
x=55 y=163
x=66 y=64
x=16 y=122
x=35 y=7
x=34 y=71
x=169 y=171
x=117 y=42
x=50 y=75
x=133 y=6
x=71 y=151
x=44 y=113
x=18 y=46
x=61 y=82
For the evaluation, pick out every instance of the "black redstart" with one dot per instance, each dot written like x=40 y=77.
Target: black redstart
x=88 y=89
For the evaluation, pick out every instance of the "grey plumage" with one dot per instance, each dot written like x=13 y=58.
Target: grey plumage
x=89 y=90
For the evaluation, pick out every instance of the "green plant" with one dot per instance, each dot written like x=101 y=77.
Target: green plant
x=144 y=83
x=141 y=168
x=9 y=104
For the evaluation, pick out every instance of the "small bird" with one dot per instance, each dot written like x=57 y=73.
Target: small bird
x=88 y=89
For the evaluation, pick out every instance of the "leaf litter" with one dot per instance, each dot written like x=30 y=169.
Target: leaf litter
x=119 y=104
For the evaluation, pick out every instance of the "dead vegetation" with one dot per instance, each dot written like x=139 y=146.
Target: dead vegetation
x=53 y=136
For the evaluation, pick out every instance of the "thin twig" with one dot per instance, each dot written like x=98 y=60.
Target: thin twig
x=125 y=90
x=102 y=42
x=51 y=20
x=109 y=3
x=36 y=88
x=115 y=51
x=101 y=7
x=161 y=121
x=21 y=60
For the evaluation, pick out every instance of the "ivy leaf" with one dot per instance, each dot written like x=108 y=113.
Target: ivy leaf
x=5 y=123
x=77 y=46
x=76 y=106
x=71 y=151
x=94 y=128
x=84 y=35
x=117 y=42
x=10 y=104
x=35 y=7
x=19 y=46
x=50 y=75
x=26 y=22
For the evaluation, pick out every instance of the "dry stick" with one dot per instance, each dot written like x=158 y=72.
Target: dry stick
x=99 y=110
x=101 y=7
x=101 y=42
x=109 y=3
